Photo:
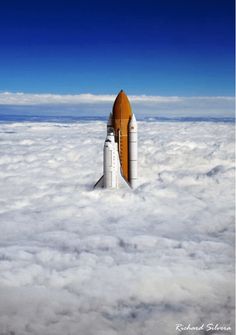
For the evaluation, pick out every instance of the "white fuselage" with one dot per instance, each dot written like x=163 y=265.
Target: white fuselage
x=110 y=162
x=112 y=171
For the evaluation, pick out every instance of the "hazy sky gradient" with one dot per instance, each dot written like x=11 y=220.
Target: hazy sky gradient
x=183 y=48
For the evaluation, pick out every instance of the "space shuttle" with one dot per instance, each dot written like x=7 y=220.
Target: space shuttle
x=120 y=152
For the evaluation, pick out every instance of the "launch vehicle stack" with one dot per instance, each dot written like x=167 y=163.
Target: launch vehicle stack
x=120 y=153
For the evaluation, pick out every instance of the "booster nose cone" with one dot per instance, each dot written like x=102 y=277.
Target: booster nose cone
x=121 y=107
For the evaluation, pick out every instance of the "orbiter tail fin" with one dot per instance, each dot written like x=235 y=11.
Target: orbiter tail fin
x=99 y=183
x=121 y=180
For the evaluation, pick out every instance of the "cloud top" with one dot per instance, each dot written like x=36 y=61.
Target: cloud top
x=9 y=98
x=77 y=261
x=92 y=104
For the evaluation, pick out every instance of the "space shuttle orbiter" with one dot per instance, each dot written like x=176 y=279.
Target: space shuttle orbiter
x=120 y=153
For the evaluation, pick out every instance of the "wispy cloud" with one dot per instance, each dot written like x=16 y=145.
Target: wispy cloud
x=97 y=104
x=9 y=98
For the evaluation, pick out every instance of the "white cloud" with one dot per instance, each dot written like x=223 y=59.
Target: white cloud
x=78 y=261
x=90 y=104
x=8 y=98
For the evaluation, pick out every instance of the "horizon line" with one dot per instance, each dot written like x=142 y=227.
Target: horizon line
x=22 y=98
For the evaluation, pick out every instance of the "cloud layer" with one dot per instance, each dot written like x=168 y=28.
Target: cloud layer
x=78 y=261
x=90 y=104
x=8 y=98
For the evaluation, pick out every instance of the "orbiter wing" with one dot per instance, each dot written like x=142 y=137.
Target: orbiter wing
x=121 y=181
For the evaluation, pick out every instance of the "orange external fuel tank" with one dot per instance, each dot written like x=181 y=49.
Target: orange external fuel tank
x=121 y=115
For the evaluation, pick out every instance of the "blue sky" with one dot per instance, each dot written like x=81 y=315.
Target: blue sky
x=168 y=48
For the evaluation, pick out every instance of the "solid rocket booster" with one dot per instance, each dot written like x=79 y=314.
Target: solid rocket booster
x=120 y=153
x=133 y=152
